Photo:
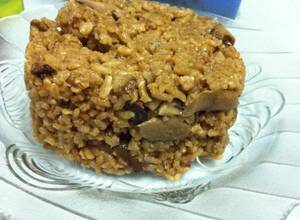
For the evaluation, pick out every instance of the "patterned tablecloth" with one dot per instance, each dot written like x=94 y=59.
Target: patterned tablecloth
x=268 y=37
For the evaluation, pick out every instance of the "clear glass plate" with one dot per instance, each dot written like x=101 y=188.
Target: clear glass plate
x=43 y=169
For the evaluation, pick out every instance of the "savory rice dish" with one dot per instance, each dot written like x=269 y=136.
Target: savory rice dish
x=130 y=86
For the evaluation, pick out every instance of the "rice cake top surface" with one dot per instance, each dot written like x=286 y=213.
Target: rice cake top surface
x=158 y=51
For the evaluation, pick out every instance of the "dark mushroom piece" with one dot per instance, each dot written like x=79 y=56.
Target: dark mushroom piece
x=43 y=70
x=121 y=150
x=222 y=34
x=114 y=15
x=40 y=25
x=140 y=114
x=212 y=101
x=158 y=130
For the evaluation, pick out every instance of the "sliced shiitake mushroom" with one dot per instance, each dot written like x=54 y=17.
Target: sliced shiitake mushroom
x=43 y=70
x=39 y=24
x=212 y=101
x=156 y=129
x=140 y=114
x=221 y=33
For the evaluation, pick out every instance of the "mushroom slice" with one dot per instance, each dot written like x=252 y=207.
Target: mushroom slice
x=221 y=33
x=212 y=101
x=158 y=130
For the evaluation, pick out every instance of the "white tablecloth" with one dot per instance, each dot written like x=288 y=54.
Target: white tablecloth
x=269 y=192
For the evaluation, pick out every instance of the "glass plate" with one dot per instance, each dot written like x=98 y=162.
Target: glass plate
x=43 y=169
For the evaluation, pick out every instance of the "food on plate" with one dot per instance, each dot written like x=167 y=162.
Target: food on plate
x=130 y=86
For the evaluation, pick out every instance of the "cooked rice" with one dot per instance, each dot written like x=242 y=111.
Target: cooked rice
x=127 y=86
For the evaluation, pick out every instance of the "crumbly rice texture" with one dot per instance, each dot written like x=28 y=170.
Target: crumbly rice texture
x=132 y=86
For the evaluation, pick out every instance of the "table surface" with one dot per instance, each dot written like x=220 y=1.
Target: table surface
x=267 y=33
